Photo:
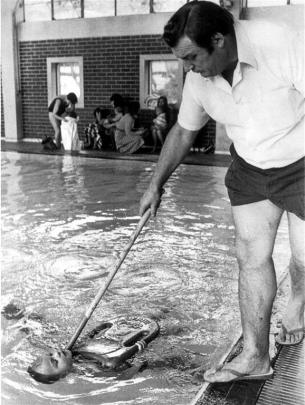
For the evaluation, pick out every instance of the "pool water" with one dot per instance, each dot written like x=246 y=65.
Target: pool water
x=65 y=221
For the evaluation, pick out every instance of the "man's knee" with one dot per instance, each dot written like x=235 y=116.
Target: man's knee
x=252 y=252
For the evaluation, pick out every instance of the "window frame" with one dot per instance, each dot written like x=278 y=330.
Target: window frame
x=144 y=74
x=52 y=77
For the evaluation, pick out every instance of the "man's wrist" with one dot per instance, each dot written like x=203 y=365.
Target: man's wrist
x=155 y=187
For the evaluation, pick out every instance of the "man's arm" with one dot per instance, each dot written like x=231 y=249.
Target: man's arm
x=177 y=144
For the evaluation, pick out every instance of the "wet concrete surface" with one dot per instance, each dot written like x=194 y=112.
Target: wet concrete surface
x=193 y=158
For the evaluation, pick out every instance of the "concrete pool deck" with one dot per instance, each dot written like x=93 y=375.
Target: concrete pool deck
x=193 y=158
x=285 y=388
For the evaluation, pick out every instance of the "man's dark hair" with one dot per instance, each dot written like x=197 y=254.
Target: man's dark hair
x=72 y=97
x=200 y=21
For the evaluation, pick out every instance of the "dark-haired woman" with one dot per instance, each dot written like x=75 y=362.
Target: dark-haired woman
x=58 y=109
x=160 y=124
x=117 y=100
x=127 y=139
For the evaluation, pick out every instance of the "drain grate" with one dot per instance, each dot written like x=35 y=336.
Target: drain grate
x=288 y=384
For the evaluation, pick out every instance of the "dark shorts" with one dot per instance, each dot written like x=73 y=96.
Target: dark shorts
x=283 y=186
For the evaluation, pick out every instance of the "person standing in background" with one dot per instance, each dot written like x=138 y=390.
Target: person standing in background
x=58 y=109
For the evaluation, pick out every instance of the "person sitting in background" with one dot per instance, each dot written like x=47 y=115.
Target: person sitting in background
x=110 y=125
x=118 y=104
x=170 y=111
x=101 y=139
x=116 y=100
x=129 y=140
x=94 y=130
x=163 y=103
x=112 y=119
x=58 y=109
x=159 y=127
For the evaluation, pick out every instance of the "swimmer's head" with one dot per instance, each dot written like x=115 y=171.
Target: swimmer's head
x=51 y=367
x=12 y=311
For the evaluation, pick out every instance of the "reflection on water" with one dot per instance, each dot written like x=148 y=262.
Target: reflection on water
x=65 y=220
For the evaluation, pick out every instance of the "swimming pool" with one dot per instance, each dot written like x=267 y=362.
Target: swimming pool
x=66 y=219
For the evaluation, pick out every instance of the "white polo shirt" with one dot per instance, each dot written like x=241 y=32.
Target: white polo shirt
x=263 y=111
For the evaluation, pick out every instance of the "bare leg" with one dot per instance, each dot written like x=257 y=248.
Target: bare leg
x=56 y=126
x=256 y=226
x=154 y=137
x=293 y=320
x=159 y=135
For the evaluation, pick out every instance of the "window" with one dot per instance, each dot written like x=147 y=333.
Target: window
x=37 y=10
x=128 y=7
x=265 y=3
x=160 y=75
x=171 y=5
x=66 y=9
x=166 y=6
x=65 y=75
x=40 y=10
x=95 y=8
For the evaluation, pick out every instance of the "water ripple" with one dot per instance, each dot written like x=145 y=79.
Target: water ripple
x=65 y=222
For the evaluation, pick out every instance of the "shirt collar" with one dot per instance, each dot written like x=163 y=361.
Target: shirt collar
x=244 y=47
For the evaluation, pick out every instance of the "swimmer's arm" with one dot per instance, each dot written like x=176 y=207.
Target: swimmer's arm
x=177 y=145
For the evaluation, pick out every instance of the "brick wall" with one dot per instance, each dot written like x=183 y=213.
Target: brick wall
x=111 y=65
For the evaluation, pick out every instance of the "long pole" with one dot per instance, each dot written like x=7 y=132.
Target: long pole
x=110 y=277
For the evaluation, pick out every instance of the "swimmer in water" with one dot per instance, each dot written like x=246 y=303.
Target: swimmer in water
x=52 y=367
x=34 y=327
x=109 y=346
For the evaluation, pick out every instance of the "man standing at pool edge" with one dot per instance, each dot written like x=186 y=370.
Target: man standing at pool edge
x=247 y=75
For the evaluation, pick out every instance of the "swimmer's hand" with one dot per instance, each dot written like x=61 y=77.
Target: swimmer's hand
x=151 y=199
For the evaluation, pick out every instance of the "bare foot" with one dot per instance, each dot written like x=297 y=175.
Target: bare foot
x=242 y=365
x=292 y=327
